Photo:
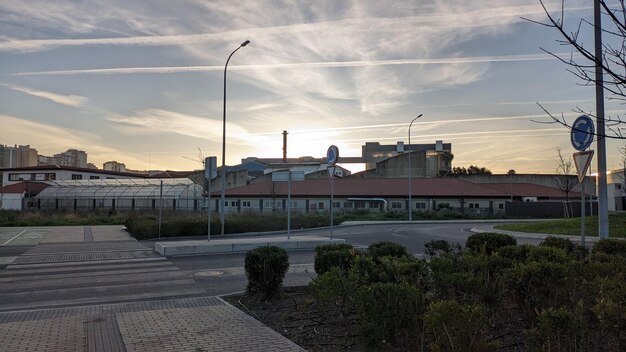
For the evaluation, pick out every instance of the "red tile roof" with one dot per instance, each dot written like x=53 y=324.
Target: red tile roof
x=350 y=187
x=34 y=188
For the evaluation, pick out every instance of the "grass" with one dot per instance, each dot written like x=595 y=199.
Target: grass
x=40 y=218
x=617 y=226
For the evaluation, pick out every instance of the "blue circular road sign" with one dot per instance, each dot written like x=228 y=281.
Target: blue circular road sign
x=332 y=155
x=583 y=131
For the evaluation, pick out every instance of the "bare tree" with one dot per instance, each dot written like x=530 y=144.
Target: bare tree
x=446 y=157
x=565 y=178
x=583 y=60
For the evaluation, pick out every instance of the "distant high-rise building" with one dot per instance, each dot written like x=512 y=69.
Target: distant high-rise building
x=114 y=166
x=71 y=157
x=17 y=156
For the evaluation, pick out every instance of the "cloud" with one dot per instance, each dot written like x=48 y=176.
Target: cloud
x=24 y=130
x=69 y=100
x=164 y=121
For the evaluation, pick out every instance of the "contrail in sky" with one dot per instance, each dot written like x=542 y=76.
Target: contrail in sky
x=303 y=65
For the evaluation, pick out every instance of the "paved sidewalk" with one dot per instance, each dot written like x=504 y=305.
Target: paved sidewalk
x=77 y=268
x=193 y=324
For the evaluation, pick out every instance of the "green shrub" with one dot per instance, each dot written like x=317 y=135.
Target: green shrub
x=470 y=278
x=389 y=313
x=339 y=255
x=561 y=329
x=364 y=271
x=558 y=242
x=333 y=287
x=381 y=249
x=266 y=268
x=436 y=247
x=488 y=242
x=541 y=285
x=548 y=254
x=610 y=246
x=516 y=253
x=457 y=327
x=572 y=249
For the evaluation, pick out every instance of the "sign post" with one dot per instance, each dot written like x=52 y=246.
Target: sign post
x=581 y=137
x=332 y=154
x=582 y=160
x=210 y=172
x=282 y=176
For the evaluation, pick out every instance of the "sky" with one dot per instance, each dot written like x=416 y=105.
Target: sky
x=141 y=82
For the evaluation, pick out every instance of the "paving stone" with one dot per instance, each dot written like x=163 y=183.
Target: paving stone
x=62 y=334
x=219 y=327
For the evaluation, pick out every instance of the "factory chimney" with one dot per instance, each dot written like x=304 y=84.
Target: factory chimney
x=285 y=146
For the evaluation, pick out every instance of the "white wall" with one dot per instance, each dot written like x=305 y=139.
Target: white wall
x=11 y=201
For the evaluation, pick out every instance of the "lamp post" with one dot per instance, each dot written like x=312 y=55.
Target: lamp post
x=411 y=171
x=223 y=195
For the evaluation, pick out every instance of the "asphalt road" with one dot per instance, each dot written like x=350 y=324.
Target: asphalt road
x=224 y=273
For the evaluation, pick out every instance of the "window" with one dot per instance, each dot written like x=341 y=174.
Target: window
x=44 y=177
x=500 y=206
x=246 y=204
x=420 y=205
x=320 y=205
x=347 y=205
x=77 y=177
x=226 y=204
x=19 y=177
x=94 y=177
x=336 y=204
x=396 y=205
x=233 y=204
x=294 y=204
x=373 y=205
x=359 y=205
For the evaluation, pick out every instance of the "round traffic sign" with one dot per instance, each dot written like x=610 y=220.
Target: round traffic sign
x=332 y=154
x=582 y=134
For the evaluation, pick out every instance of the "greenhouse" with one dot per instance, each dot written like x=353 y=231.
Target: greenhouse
x=123 y=194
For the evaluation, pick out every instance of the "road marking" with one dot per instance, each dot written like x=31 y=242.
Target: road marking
x=14 y=237
x=402 y=236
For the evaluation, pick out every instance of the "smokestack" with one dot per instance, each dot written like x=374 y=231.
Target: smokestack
x=285 y=146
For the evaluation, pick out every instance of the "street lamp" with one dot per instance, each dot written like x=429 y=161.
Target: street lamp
x=411 y=170
x=223 y=196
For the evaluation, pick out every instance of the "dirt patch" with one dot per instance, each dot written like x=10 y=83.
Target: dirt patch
x=295 y=314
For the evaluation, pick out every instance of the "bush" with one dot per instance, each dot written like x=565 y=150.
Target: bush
x=332 y=255
x=561 y=329
x=488 y=242
x=610 y=246
x=436 y=247
x=266 y=268
x=390 y=313
x=454 y=325
x=548 y=254
x=541 y=285
x=558 y=242
x=516 y=253
x=333 y=287
x=470 y=278
x=381 y=249
x=572 y=249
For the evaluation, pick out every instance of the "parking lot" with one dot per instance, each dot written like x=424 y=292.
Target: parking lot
x=21 y=236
